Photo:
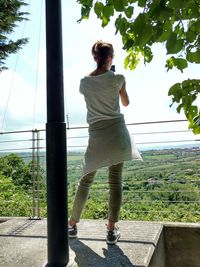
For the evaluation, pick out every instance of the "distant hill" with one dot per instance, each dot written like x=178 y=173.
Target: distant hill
x=27 y=156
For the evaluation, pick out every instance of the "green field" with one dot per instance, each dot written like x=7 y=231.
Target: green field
x=164 y=187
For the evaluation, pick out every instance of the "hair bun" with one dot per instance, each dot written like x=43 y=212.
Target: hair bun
x=98 y=45
x=101 y=51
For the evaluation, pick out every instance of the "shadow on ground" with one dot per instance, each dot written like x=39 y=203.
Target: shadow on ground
x=112 y=256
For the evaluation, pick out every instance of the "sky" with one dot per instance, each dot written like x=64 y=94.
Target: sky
x=23 y=85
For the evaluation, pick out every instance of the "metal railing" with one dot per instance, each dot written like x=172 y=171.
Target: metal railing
x=25 y=145
x=159 y=197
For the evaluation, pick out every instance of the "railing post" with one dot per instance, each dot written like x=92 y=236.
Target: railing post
x=58 y=249
x=33 y=175
x=38 y=175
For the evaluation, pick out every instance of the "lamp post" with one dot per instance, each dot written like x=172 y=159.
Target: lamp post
x=58 y=249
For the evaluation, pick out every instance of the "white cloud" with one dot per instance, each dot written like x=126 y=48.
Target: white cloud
x=18 y=101
x=147 y=86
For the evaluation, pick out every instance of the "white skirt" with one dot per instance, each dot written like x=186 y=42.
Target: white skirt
x=109 y=144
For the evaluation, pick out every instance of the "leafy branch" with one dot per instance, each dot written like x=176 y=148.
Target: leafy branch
x=176 y=24
x=10 y=15
x=185 y=94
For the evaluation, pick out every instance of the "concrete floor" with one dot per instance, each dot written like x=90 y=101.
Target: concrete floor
x=23 y=243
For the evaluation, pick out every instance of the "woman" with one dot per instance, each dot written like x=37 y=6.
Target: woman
x=109 y=140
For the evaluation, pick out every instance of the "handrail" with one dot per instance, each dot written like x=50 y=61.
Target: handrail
x=86 y=126
x=135 y=192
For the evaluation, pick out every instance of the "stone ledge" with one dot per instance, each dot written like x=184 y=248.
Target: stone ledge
x=23 y=243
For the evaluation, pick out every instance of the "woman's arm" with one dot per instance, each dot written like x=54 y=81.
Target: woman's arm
x=123 y=95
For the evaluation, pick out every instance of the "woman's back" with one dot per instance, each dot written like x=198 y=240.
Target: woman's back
x=101 y=94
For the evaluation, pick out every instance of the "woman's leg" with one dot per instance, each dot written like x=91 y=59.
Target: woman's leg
x=81 y=197
x=115 y=197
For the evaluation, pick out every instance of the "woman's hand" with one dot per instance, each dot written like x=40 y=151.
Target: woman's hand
x=124 y=96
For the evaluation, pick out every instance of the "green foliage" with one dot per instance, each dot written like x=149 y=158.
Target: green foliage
x=164 y=187
x=13 y=200
x=176 y=24
x=185 y=94
x=16 y=187
x=104 y=12
x=179 y=63
x=10 y=15
x=13 y=166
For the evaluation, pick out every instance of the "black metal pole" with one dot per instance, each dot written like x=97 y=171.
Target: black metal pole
x=58 y=249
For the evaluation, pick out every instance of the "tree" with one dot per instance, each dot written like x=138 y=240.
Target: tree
x=142 y=23
x=13 y=166
x=10 y=15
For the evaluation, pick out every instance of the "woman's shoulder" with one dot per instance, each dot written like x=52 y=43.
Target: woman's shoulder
x=119 y=77
x=109 y=74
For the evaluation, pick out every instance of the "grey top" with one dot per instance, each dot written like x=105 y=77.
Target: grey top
x=101 y=94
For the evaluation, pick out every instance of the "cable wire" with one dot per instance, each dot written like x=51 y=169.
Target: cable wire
x=13 y=74
x=37 y=66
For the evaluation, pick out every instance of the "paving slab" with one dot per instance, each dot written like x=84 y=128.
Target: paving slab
x=23 y=243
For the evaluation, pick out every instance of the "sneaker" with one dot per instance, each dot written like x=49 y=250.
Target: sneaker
x=113 y=236
x=72 y=231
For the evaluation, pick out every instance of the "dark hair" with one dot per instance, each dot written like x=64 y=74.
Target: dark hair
x=101 y=51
